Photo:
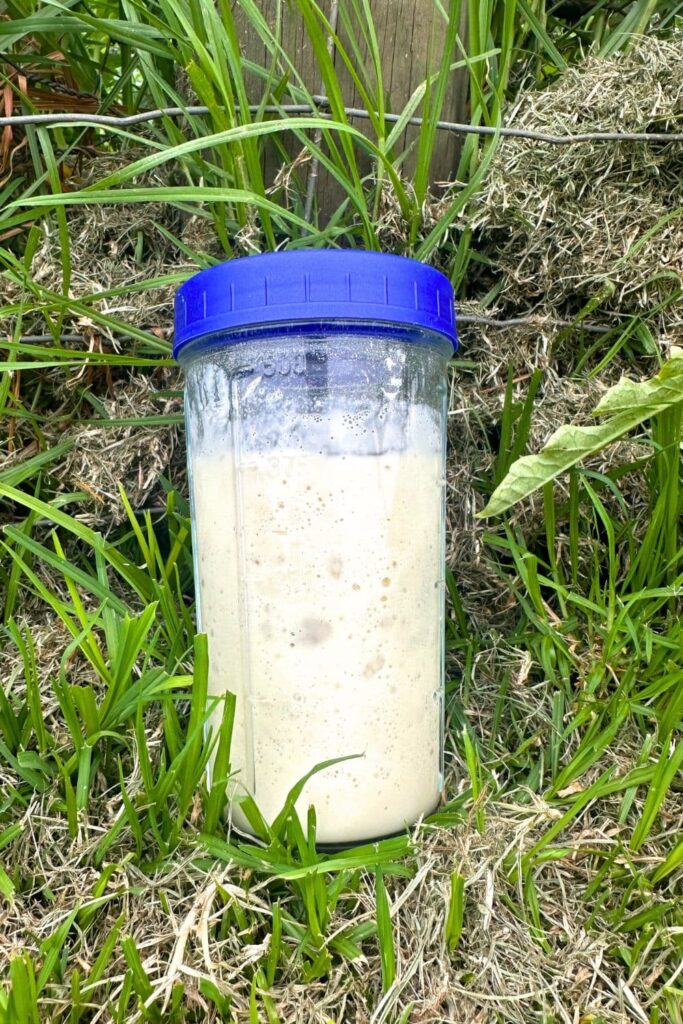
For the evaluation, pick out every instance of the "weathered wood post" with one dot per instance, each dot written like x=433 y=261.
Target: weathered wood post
x=410 y=35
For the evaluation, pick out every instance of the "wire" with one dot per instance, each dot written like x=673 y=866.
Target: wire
x=463 y=319
x=520 y=321
x=112 y=121
x=41 y=339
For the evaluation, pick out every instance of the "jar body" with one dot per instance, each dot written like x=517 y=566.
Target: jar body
x=317 y=469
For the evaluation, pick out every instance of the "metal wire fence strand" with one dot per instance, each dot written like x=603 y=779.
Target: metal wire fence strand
x=526 y=321
x=293 y=109
x=463 y=320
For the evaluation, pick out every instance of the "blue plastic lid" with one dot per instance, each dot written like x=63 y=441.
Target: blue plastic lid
x=318 y=285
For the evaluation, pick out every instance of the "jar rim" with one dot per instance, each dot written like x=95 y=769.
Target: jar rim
x=321 y=331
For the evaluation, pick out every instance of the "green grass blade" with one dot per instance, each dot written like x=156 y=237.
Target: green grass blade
x=456 y=912
x=668 y=766
x=385 y=935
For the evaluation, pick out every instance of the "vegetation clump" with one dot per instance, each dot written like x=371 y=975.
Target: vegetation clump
x=546 y=888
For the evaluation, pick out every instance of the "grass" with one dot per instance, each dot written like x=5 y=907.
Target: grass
x=548 y=883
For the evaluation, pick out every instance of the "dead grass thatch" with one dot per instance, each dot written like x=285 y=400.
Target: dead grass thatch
x=568 y=225
x=502 y=968
x=129 y=455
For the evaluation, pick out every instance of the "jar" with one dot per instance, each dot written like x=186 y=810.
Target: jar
x=315 y=407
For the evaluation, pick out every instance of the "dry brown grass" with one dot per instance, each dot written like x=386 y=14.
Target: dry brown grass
x=571 y=224
x=501 y=970
x=131 y=456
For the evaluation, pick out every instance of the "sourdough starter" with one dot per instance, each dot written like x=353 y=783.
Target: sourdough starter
x=320 y=591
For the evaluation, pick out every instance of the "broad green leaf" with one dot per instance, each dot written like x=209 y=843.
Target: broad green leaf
x=628 y=404
x=660 y=393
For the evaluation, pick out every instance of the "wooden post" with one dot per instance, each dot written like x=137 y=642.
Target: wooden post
x=410 y=35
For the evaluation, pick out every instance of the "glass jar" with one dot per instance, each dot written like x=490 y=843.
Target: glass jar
x=316 y=424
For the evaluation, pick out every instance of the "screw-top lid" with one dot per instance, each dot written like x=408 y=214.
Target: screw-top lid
x=314 y=285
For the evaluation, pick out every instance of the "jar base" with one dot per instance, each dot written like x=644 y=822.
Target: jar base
x=348 y=844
